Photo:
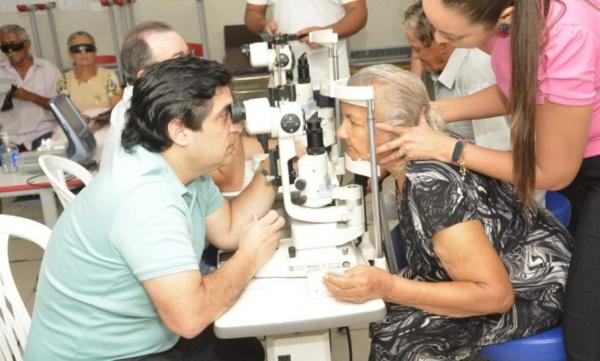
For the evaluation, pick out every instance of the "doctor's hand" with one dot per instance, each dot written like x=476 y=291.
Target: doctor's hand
x=360 y=284
x=260 y=238
x=415 y=143
x=303 y=34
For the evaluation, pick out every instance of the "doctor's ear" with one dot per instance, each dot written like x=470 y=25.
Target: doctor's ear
x=177 y=132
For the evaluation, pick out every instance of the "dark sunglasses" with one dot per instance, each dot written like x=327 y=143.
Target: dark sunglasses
x=6 y=48
x=80 y=48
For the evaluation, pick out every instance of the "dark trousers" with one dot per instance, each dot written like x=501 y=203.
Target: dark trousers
x=207 y=347
x=581 y=318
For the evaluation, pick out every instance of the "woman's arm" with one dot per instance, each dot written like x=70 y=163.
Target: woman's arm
x=480 y=283
x=487 y=103
x=561 y=133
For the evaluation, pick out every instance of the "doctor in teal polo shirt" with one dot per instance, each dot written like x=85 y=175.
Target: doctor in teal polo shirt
x=120 y=278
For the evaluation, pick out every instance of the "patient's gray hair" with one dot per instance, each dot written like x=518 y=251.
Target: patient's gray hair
x=399 y=96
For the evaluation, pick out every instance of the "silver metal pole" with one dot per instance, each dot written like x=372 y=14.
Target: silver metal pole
x=374 y=180
x=131 y=15
x=381 y=232
x=52 y=24
x=35 y=33
x=379 y=221
x=387 y=239
x=203 y=29
x=115 y=39
x=333 y=54
x=124 y=20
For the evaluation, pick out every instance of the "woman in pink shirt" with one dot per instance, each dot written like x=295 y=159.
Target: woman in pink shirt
x=551 y=88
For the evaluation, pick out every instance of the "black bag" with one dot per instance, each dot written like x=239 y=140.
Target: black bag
x=8 y=103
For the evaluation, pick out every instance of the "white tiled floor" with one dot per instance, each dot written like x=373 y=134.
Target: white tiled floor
x=26 y=258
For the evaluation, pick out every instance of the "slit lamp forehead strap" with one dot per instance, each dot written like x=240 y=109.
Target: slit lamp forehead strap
x=355 y=95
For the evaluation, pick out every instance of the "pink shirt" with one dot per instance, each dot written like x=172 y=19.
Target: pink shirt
x=569 y=71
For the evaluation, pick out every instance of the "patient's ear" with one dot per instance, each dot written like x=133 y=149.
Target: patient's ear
x=177 y=132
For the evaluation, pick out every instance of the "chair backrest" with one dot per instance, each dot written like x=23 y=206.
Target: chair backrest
x=55 y=167
x=106 y=60
x=197 y=48
x=14 y=318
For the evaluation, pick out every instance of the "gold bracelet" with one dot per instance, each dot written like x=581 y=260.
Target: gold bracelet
x=462 y=167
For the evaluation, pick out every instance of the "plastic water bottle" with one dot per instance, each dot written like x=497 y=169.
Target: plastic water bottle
x=9 y=154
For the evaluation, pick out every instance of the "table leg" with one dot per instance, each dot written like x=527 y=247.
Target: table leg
x=49 y=209
x=314 y=346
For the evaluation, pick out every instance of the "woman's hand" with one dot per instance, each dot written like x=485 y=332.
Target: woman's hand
x=359 y=284
x=415 y=143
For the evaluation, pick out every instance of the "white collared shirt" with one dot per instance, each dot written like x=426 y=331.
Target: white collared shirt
x=28 y=121
x=469 y=71
x=117 y=123
x=294 y=15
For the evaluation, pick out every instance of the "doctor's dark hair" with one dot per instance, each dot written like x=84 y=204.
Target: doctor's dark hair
x=181 y=88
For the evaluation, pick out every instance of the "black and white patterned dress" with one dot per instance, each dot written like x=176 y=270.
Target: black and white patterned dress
x=533 y=246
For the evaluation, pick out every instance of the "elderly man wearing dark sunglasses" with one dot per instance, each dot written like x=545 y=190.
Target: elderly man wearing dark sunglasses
x=28 y=121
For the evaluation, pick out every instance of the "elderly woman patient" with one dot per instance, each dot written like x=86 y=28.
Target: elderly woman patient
x=481 y=269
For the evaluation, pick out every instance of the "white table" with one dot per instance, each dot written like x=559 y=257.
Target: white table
x=15 y=184
x=294 y=319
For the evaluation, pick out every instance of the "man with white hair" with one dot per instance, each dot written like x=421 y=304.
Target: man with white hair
x=146 y=44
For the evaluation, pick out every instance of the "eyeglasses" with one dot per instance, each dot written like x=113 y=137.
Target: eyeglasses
x=6 y=48
x=183 y=54
x=80 y=48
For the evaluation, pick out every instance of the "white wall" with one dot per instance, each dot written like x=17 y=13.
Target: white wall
x=383 y=29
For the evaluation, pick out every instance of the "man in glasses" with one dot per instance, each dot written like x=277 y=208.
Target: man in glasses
x=29 y=120
x=146 y=44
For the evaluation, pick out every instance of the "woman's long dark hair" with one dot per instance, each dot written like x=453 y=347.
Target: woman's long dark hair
x=527 y=40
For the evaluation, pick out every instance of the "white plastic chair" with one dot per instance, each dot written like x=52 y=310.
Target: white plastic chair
x=14 y=318
x=55 y=168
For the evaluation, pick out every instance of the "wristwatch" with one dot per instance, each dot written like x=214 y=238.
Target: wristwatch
x=459 y=147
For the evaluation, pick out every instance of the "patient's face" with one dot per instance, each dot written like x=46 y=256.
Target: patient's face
x=355 y=132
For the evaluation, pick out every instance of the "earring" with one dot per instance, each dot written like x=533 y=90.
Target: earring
x=504 y=28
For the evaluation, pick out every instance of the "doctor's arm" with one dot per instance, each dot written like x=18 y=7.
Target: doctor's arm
x=225 y=224
x=188 y=302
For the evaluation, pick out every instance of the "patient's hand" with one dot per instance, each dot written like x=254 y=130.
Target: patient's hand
x=360 y=284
